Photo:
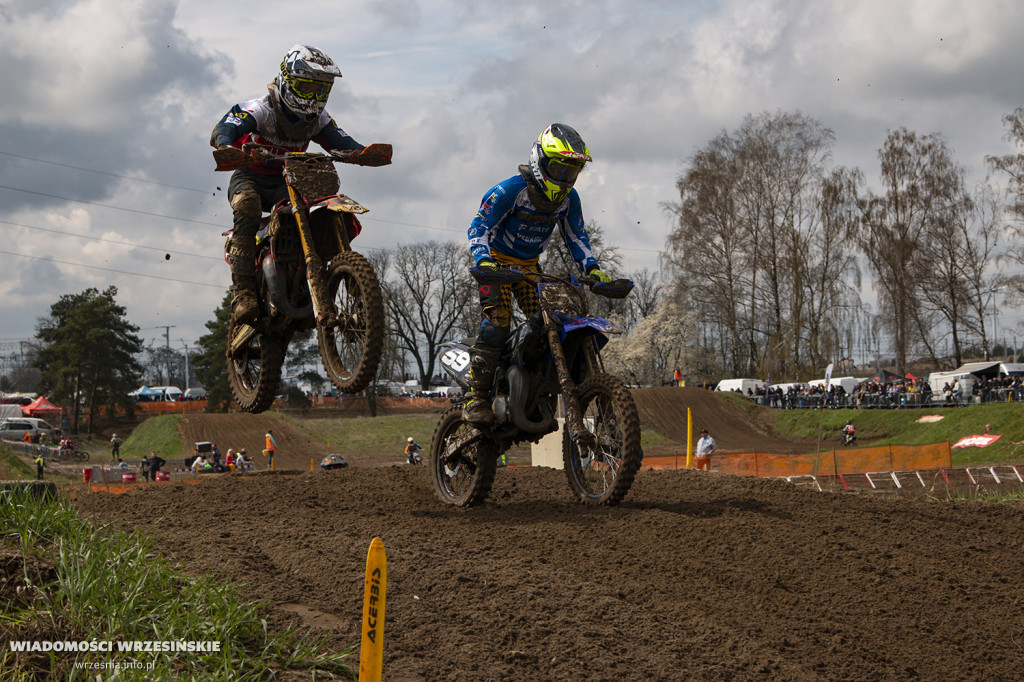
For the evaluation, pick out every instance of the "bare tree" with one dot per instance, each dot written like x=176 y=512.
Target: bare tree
x=1012 y=167
x=960 y=260
x=921 y=183
x=761 y=248
x=427 y=292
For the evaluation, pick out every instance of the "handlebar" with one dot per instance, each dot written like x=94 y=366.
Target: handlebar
x=617 y=288
x=233 y=158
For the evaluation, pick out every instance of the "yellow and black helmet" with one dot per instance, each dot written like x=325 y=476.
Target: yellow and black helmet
x=556 y=160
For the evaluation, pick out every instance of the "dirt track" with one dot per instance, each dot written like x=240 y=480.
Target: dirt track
x=696 y=576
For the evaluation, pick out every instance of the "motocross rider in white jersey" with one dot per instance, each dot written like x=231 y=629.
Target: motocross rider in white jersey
x=287 y=119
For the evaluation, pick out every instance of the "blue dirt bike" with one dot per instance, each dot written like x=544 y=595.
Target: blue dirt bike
x=556 y=352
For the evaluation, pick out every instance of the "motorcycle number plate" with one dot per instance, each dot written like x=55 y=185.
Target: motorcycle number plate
x=457 y=360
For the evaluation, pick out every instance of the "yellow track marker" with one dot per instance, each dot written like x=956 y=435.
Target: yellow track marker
x=371 y=654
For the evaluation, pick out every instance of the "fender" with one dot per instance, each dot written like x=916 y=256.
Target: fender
x=349 y=208
x=597 y=325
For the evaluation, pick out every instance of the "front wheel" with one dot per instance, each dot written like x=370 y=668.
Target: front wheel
x=351 y=350
x=462 y=462
x=602 y=472
x=254 y=366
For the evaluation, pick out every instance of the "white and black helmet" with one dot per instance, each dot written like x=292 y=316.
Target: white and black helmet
x=305 y=81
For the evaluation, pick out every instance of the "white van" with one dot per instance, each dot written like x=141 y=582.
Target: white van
x=10 y=411
x=937 y=380
x=848 y=383
x=740 y=385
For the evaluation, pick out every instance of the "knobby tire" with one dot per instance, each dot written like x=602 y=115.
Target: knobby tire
x=604 y=474
x=466 y=481
x=351 y=352
x=255 y=371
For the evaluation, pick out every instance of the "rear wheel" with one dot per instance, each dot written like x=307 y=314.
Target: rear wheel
x=462 y=463
x=351 y=350
x=602 y=473
x=254 y=366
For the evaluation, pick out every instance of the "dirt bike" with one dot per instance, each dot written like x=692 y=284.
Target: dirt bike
x=849 y=438
x=308 y=277
x=69 y=452
x=554 y=352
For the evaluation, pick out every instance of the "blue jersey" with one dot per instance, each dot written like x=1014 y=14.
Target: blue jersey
x=508 y=223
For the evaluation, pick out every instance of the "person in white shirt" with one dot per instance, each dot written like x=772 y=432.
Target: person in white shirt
x=706 y=445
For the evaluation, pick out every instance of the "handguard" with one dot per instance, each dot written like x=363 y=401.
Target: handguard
x=376 y=154
x=231 y=158
x=617 y=288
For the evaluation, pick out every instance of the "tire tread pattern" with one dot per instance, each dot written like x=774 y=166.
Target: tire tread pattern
x=486 y=464
x=628 y=419
x=356 y=265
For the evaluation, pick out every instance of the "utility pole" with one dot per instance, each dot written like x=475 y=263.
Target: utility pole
x=167 y=344
x=184 y=343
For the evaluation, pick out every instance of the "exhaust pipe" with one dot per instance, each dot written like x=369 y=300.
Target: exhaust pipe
x=278 y=293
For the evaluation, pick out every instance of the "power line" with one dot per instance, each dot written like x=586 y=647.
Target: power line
x=120 y=272
x=117 y=208
x=99 y=172
x=109 y=241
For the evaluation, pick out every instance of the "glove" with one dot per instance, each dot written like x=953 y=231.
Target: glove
x=487 y=265
x=601 y=275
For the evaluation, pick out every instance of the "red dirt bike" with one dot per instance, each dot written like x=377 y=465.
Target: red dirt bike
x=307 y=277
x=555 y=352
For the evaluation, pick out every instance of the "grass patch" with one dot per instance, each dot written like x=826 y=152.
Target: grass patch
x=17 y=468
x=68 y=581
x=372 y=434
x=649 y=438
x=159 y=434
x=900 y=427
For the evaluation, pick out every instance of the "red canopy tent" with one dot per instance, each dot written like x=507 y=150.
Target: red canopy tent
x=41 y=407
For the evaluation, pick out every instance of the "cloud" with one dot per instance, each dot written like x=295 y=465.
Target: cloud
x=462 y=90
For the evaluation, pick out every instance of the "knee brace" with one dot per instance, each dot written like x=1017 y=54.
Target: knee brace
x=247 y=204
x=491 y=334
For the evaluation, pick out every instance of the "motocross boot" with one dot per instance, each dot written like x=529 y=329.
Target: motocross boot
x=242 y=257
x=481 y=375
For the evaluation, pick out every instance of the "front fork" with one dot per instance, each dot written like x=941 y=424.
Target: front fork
x=323 y=307
x=573 y=415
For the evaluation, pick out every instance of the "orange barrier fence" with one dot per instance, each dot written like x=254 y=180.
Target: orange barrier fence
x=834 y=462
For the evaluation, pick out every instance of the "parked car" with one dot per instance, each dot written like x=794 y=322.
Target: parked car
x=15 y=429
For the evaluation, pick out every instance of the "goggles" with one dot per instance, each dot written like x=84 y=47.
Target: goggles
x=563 y=171
x=307 y=88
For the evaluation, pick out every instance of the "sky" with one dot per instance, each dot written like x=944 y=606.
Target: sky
x=106 y=174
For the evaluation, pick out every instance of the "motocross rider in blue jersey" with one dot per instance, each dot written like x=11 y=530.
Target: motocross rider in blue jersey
x=286 y=119
x=516 y=219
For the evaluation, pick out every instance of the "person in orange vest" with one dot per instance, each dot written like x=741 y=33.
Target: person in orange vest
x=678 y=376
x=271 y=447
